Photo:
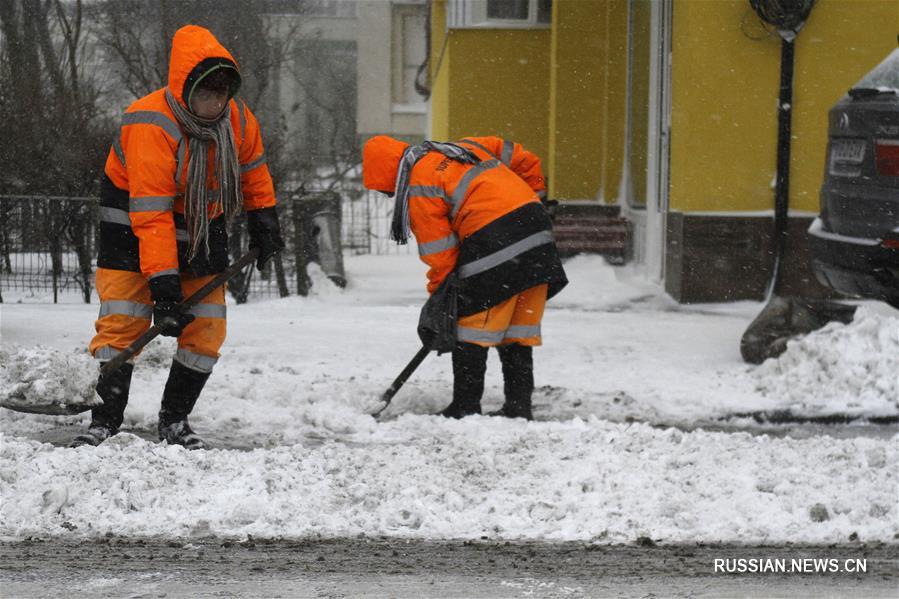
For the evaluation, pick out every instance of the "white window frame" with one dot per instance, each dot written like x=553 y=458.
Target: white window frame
x=472 y=14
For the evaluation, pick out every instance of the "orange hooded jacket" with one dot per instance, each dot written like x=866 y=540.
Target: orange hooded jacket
x=148 y=162
x=474 y=216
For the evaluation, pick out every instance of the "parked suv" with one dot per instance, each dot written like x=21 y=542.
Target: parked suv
x=855 y=239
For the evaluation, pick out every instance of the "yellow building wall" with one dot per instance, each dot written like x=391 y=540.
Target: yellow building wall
x=439 y=65
x=491 y=82
x=724 y=98
x=586 y=104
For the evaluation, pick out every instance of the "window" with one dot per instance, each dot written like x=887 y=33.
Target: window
x=499 y=14
x=339 y=9
x=409 y=52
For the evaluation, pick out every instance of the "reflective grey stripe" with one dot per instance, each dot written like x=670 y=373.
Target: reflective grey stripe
x=427 y=191
x=459 y=194
x=251 y=165
x=439 y=245
x=182 y=235
x=194 y=361
x=106 y=353
x=151 y=117
x=117 y=148
x=477 y=145
x=522 y=331
x=182 y=148
x=479 y=335
x=505 y=254
x=241 y=107
x=506 y=157
x=162 y=273
x=151 y=204
x=114 y=215
x=126 y=308
x=209 y=311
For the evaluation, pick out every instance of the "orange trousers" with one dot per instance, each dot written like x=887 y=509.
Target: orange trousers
x=516 y=320
x=126 y=312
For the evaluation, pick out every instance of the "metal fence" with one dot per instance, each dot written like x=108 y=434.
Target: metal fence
x=48 y=245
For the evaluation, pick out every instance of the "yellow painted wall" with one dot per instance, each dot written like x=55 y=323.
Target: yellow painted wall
x=725 y=89
x=439 y=63
x=492 y=82
x=587 y=103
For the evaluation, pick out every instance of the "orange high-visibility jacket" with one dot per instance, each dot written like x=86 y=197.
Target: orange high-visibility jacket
x=483 y=220
x=142 y=225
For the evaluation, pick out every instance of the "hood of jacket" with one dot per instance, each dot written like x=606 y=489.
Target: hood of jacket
x=381 y=157
x=195 y=54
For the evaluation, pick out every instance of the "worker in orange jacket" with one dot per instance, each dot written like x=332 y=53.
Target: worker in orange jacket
x=475 y=209
x=187 y=159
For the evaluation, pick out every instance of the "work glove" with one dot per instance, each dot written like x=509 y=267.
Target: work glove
x=167 y=296
x=169 y=316
x=265 y=234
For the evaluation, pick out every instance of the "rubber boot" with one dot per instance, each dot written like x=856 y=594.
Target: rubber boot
x=106 y=419
x=518 y=379
x=469 y=367
x=181 y=392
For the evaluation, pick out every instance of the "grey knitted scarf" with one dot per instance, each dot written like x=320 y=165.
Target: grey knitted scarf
x=400 y=227
x=227 y=172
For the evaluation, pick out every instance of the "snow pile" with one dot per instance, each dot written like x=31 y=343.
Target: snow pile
x=425 y=477
x=47 y=380
x=850 y=368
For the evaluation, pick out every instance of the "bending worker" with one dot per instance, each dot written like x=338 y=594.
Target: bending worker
x=187 y=159
x=475 y=208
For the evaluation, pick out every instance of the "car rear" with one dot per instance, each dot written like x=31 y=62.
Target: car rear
x=855 y=239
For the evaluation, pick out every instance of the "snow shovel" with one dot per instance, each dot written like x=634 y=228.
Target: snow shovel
x=195 y=298
x=399 y=381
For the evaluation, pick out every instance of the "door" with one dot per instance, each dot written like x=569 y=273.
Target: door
x=648 y=130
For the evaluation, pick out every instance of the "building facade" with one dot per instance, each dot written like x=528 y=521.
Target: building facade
x=666 y=109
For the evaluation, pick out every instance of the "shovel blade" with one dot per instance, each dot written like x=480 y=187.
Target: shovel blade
x=51 y=409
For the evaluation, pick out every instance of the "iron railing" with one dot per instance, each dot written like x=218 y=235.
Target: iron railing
x=48 y=245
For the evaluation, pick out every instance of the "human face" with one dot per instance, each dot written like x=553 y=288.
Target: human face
x=208 y=104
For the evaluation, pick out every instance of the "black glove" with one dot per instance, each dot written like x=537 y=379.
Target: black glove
x=167 y=296
x=169 y=316
x=265 y=234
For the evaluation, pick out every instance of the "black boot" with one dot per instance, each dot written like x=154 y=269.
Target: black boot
x=107 y=418
x=469 y=366
x=518 y=378
x=181 y=392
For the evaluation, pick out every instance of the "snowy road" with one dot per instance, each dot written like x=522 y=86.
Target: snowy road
x=629 y=440
x=391 y=568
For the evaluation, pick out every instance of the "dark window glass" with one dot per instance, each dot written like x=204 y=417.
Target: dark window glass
x=508 y=9
x=544 y=11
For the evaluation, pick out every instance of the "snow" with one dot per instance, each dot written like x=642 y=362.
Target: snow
x=622 y=365
x=48 y=377
x=850 y=366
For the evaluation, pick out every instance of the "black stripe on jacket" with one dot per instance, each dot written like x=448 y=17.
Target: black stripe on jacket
x=535 y=266
x=119 y=247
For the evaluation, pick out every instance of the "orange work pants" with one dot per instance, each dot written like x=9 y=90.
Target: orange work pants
x=126 y=312
x=516 y=320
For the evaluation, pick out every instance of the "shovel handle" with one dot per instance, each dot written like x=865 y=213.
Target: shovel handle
x=398 y=382
x=195 y=298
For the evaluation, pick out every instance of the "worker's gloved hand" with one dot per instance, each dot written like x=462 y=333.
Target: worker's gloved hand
x=169 y=316
x=265 y=234
x=167 y=295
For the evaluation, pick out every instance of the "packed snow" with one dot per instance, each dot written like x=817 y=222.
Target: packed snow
x=628 y=441
x=855 y=366
x=45 y=378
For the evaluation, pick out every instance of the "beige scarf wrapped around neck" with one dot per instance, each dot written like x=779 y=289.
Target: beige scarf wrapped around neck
x=227 y=171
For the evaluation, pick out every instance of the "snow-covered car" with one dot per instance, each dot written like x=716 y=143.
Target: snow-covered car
x=855 y=239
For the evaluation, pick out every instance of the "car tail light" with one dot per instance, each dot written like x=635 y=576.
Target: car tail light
x=886 y=156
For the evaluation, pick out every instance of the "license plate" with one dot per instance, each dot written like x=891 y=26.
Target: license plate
x=846 y=156
x=848 y=150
